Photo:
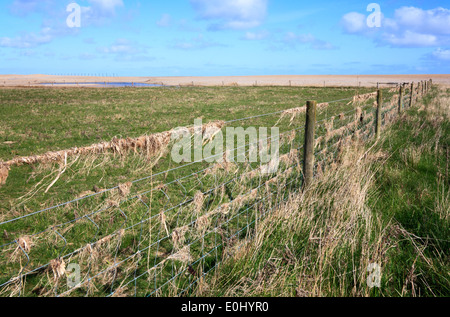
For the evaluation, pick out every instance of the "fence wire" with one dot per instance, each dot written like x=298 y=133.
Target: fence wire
x=162 y=234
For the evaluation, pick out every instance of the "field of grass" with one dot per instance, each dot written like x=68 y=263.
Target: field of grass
x=388 y=205
x=44 y=119
x=34 y=121
x=128 y=219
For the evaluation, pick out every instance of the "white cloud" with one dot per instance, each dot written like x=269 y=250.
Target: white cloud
x=106 y=6
x=411 y=39
x=354 y=22
x=196 y=43
x=231 y=14
x=409 y=27
x=29 y=40
x=25 y=7
x=54 y=20
x=96 y=8
x=293 y=39
x=124 y=50
x=122 y=46
x=99 y=12
x=435 y=21
x=441 y=54
x=256 y=36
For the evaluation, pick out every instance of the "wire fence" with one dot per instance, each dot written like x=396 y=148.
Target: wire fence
x=162 y=234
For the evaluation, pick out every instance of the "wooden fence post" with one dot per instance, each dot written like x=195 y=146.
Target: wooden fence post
x=378 y=117
x=400 y=100
x=308 y=159
x=411 y=99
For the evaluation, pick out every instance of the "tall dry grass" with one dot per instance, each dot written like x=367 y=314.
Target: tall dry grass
x=319 y=243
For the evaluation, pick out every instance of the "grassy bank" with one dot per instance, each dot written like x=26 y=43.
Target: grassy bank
x=388 y=205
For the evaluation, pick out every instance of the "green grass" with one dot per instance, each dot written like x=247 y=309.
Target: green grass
x=391 y=209
x=94 y=115
x=46 y=119
x=412 y=189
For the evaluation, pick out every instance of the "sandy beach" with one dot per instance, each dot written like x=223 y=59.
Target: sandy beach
x=281 y=80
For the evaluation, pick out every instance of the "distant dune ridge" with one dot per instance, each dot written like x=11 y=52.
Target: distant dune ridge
x=275 y=80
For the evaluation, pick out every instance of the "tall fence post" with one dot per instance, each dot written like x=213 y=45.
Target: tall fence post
x=411 y=99
x=378 y=118
x=310 y=126
x=400 y=100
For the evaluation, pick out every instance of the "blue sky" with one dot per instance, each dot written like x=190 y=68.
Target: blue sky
x=224 y=37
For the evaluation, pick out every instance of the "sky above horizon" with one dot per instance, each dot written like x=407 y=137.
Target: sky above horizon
x=224 y=37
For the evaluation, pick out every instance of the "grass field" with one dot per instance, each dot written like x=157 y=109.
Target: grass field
x=39 y=120
x=34 y=121
x=388 y=205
